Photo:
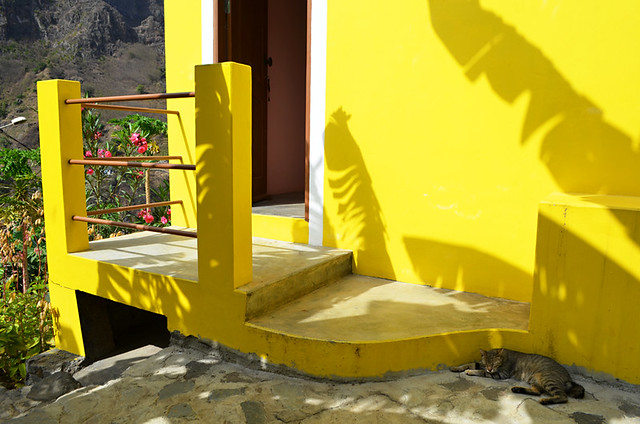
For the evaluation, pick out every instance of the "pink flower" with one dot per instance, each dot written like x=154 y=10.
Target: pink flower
x=89 y=171
x=142 y=149
x=148 y=218
x=135 y=138
x=164 y=220
x=107 y=154
x=169 y=211
x=88 y=154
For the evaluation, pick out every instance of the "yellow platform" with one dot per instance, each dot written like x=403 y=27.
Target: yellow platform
x=308 y=293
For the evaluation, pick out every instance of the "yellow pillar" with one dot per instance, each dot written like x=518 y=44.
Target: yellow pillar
x=64 y=196
x=66 y=319
x=62 y=184
x=223 y=173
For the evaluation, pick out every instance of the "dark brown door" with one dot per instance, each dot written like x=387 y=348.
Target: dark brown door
x=243 y=39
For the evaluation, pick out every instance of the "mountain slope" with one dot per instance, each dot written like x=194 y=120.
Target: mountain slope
x=110 y=46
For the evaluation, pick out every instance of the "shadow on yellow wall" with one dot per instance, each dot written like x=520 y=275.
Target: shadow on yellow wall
x=471 y=269
x=584 y=300
x=583 y=152
x=361 y=226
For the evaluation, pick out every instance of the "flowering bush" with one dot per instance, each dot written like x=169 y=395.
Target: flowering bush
x=110 y=187
x=25 y=316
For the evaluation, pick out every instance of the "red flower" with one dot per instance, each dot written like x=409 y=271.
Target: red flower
x=142 y=148
x=90 y=171
x=148 y=218
x=88 y=154
x=135 y=138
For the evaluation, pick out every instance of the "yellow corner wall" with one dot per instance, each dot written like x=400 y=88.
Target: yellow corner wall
x=587 y=283
x=449 y=120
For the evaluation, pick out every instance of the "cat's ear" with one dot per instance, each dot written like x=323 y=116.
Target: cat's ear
x=483 y=352
x=501 y=351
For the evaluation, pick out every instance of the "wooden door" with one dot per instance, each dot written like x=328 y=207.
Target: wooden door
x=243 y=39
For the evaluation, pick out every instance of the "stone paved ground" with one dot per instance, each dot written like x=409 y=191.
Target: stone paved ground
x=179 y=385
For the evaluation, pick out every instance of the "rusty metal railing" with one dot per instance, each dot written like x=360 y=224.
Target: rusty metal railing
x=192 y=234
x=133 y=161
x=131 y=97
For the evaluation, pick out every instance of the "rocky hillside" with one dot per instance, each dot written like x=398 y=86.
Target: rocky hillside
x=110 y=46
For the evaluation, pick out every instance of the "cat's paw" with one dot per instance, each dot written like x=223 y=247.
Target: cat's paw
x=457 y=369
x=518 y=389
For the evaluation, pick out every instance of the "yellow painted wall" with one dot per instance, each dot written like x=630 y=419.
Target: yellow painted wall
x=587 y=283
x=449 y=120
x=182 y=18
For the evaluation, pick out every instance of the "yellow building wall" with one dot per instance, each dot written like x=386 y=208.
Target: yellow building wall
x=182 y=54
x=449 y=120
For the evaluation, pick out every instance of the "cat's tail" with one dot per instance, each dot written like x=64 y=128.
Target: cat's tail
x=575 y=391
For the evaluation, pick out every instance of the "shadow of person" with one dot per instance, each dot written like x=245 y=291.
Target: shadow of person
x=358 y=222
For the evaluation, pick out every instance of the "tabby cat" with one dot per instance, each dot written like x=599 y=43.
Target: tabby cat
x=544 y=374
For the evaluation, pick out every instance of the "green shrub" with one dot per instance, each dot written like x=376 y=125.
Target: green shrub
x=26 y=329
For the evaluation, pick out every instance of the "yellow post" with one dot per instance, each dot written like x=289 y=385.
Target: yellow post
x=64 y=196
x=62 y=184
x=223 y=173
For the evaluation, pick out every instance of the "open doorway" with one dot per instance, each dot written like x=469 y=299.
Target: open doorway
x=272 y=37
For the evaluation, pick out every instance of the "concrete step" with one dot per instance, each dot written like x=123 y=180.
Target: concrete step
x=284 y=272
x=356 y=308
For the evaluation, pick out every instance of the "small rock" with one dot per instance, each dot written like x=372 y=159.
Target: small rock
x=629 y=409
x=236 y=377
x=195 y=369
x=51 y=361
x=192 y=342
x=53 y=386
x=583 y=418
x=254 y=412
x=175 y=388
x=218 y=394
x=182 y=410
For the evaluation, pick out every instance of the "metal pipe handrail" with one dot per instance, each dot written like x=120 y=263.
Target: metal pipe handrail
x=192 y=234
x=133 y=207
x=131 y=108
x=136 y=158
x=132 y=164
x=131 y=97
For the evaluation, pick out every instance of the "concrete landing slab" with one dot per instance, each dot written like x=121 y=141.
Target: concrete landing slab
x=157 y=253
x=359 y=308
x=177 y=256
